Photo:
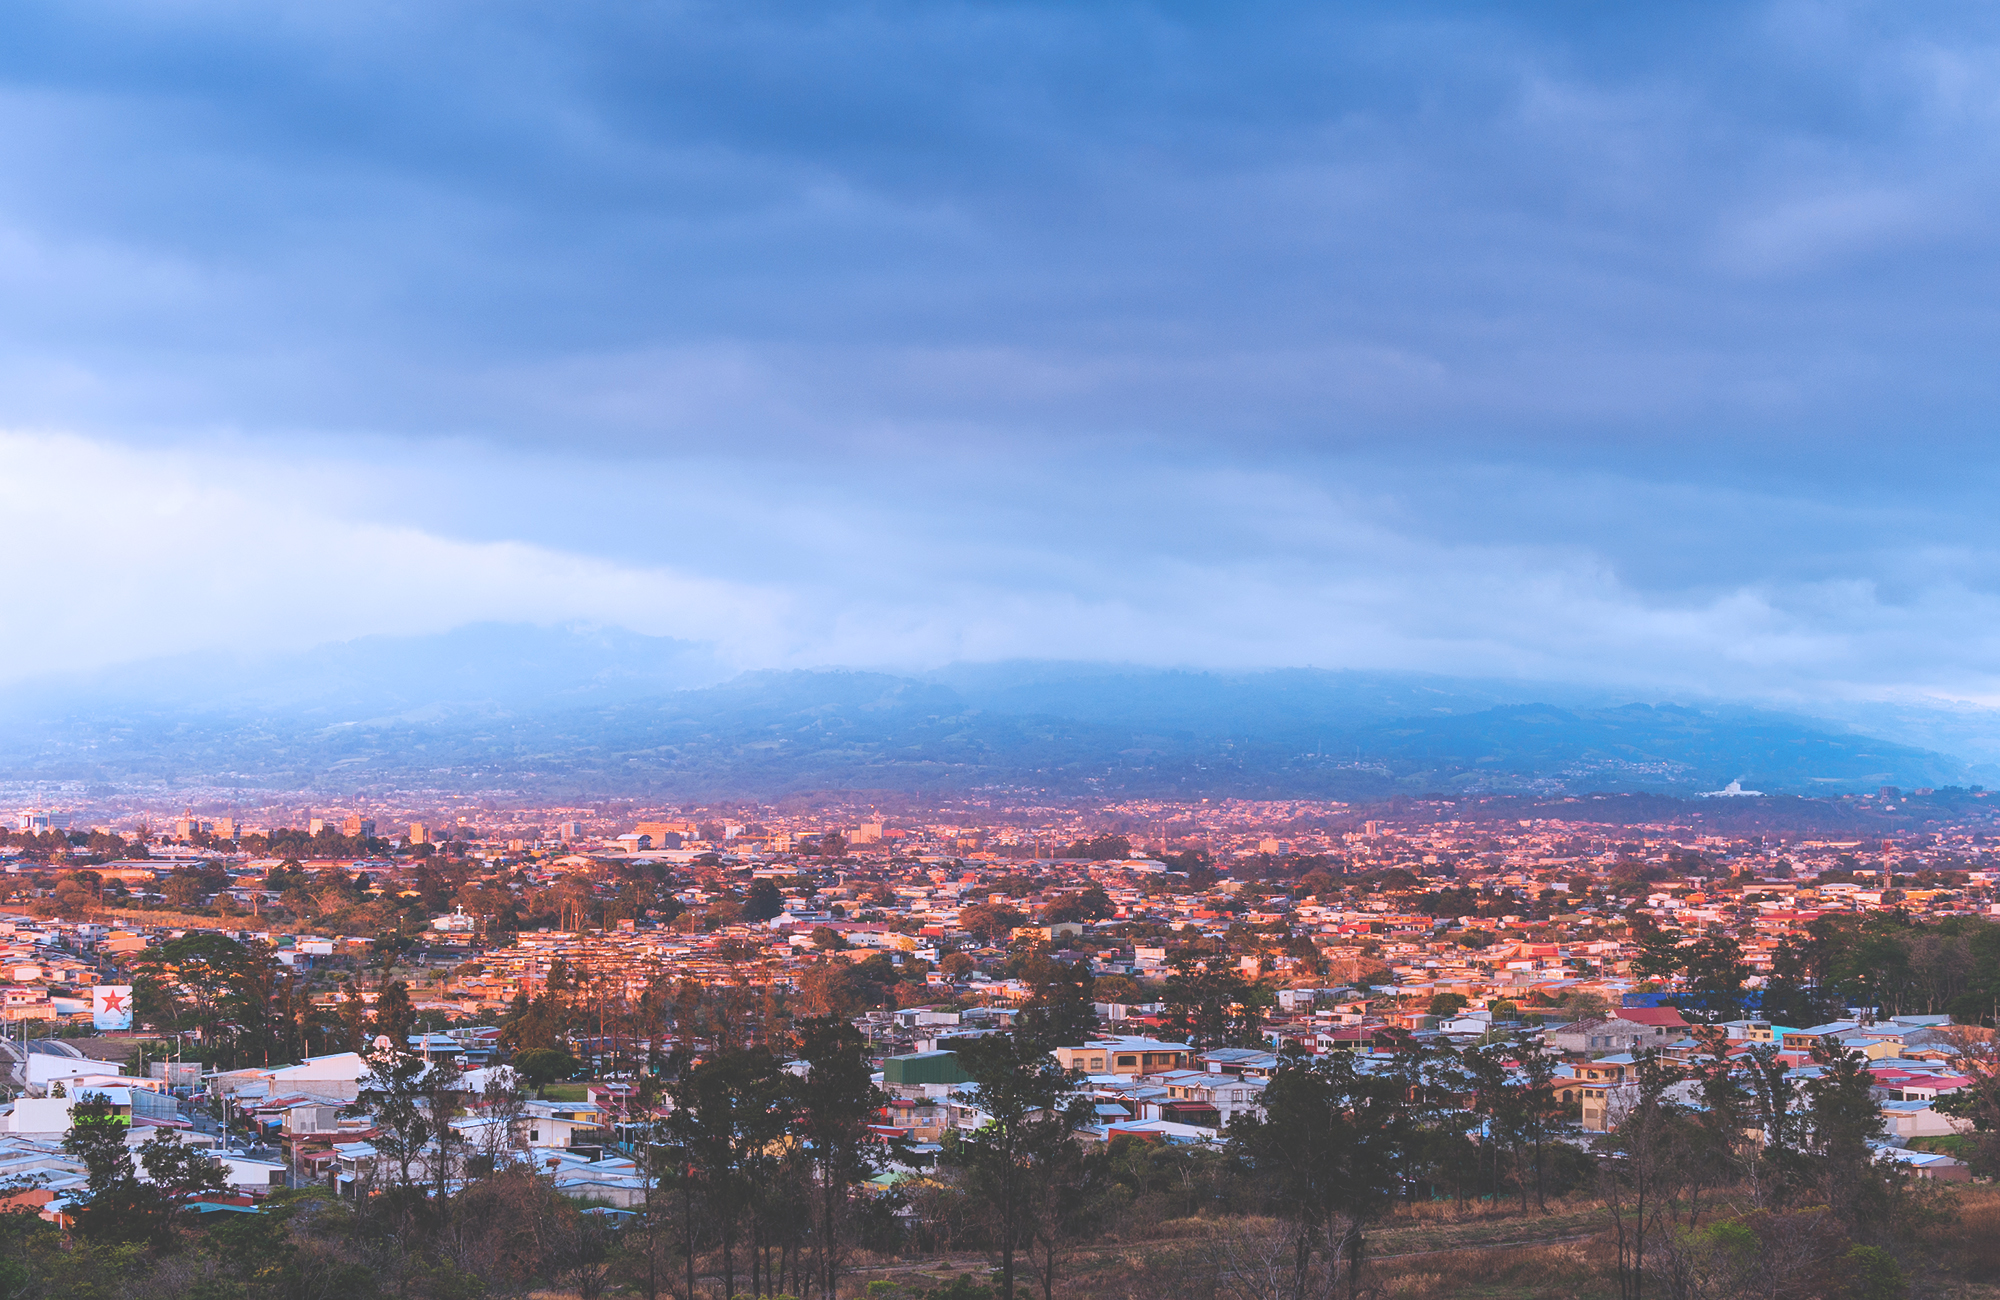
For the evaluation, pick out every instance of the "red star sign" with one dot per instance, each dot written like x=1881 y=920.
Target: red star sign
x=113 y=1001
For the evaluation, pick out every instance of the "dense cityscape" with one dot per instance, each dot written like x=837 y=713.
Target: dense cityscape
x=340 y=1008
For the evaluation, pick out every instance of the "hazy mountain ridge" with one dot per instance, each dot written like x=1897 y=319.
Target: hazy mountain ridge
x=607 y=711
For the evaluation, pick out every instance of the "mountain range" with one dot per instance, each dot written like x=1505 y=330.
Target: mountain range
x=603 y=711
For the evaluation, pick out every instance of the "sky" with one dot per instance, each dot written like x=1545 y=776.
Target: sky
x=1637 y=344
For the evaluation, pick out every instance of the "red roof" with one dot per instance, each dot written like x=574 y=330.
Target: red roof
x=1668 y=1016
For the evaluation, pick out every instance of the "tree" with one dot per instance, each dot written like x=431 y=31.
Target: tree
x=1105 y=847
x=1209 y=1004
x=394 y=1016
x=116 y=1205
x=1031 y=1115
x=1640 y=1179
x=1063 y=1203
x=1659 y=956
x=1792 y=995
x=542 y=1066
x=726 y=1108
x=990 y=923
x=1059 y=1011
x=1715 y=974
x=1445 y=1005
x=183 y=889
x=1091 y=904
x=209 y=984
x=1325 y=1154
x=1584 y=1004
x=763 y=902
x=1537 y=1108
x=1842 y=1118
x=835 y=1102
x=180 y=1171
x=411 y=1101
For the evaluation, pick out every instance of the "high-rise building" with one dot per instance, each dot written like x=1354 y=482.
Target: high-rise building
x=568 y=831
x=314 y=825
x=419 y=833
x=357 y=826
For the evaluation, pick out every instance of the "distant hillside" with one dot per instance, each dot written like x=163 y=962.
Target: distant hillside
x=590 y=711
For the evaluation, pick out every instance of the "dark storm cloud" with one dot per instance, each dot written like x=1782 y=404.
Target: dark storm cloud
x=632 y=227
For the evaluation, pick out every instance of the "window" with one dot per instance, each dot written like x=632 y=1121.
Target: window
x=534 y=1135
x=1132 y=1061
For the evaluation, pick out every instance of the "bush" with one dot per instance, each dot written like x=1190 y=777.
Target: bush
x=1872 y=1275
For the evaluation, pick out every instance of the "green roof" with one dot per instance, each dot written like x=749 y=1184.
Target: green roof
x=924 y=1067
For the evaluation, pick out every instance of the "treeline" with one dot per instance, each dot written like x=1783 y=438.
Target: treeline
x=75 y=846
x=1880 y=960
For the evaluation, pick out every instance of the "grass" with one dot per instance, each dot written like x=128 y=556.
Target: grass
x=566 y=1092
x=1950 y=1144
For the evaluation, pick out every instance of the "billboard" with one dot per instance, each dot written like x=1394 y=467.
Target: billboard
x=111 y=1006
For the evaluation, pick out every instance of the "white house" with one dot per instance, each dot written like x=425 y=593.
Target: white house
x=1917 y=1119
x=337 y=1076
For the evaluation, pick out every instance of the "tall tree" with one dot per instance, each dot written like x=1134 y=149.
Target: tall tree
x=210 y=985
x=1324 y=1152
x=116 y=1206
x=722 y=1110
x=395 y=1017
x=1059 y=1011
x=1210 y=1004
x=1031 y=1113
x=834 y=1103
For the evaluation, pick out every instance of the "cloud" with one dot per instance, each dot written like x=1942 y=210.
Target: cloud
x=641 y=230
x=120 y=554
x=123 y=554
x=1643 y=343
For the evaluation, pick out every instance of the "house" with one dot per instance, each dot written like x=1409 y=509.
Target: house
x=1573 y=1077
x=557 y=1123
x=613 y=1180
x=1200 y=1098
x=922 y=1074
x=1602 y=1037
x=1750 y=1031
x=918 y=1119
x=1665 y=1023
x=1124 y=1055
x=1248 y=1062
x=249 y=1174
x=1909 y=1119
x=130 y=1100
x=1156 y=1130
x=1361 y=1038
x=1928 y=1164
x=1598 y=1102
x=336 y=1077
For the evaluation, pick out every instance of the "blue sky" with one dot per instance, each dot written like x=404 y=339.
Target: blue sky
x=1612 y=343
